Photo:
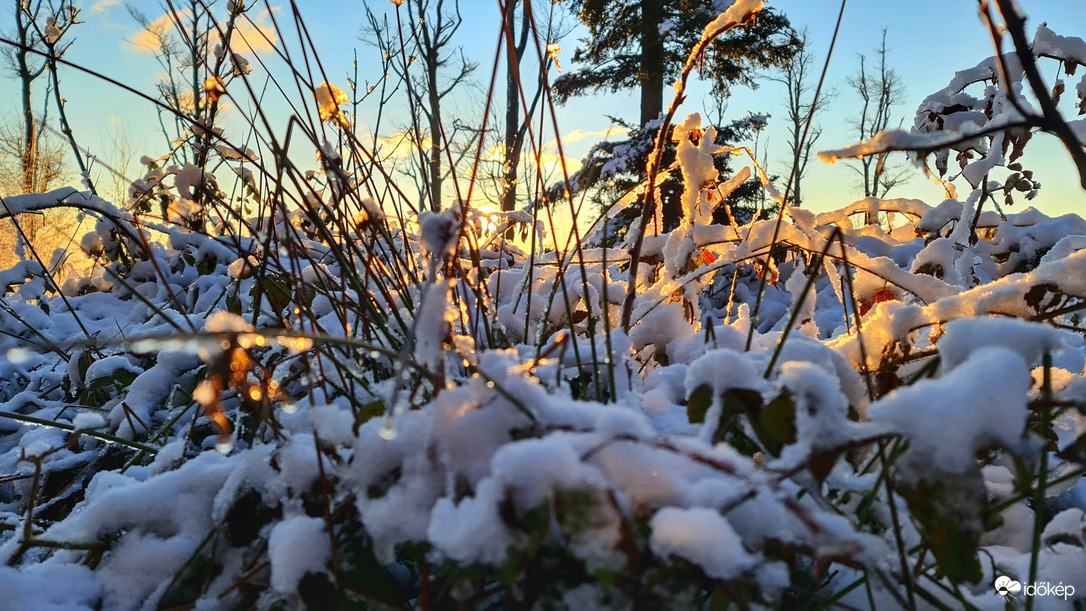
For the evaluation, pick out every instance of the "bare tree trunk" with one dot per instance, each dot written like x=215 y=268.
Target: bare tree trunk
x=514 y=129
x=26 y=78
x=196 y=59
x=435 y=42
x=29 y=175
x=436 y=135
x=41 y=156
x=433 y=27
x=512 y=108
x=652 y=61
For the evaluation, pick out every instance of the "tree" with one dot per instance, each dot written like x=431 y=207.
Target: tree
x=43 y=169
x=21 y=59
x=431 y=67
x=48 y=170
x=444 y=67
x=182 y=44
x=880 y=90
x=37 y=169
x=802 y=108
x=196 y=51
x=615 y=168
x=116 y=162
x=516 y=43
x=547 y=25
x=643 y=44
x=33 y=158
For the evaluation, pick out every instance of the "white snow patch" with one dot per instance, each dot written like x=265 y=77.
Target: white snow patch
x=947 y=420
x=297 y=545
x=703 y=537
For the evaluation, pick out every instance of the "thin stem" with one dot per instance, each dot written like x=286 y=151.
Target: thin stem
x=1040 y=508
x=135 y=445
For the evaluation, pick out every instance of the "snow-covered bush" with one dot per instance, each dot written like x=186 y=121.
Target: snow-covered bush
x=331 y=404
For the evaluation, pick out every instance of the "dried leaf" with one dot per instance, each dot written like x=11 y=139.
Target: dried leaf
x=214 y=88
x=329 y=98
x=552 y=50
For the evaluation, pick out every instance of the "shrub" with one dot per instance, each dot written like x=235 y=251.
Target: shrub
x=331 y=401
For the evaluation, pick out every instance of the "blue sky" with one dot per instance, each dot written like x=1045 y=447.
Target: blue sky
x=929 y=40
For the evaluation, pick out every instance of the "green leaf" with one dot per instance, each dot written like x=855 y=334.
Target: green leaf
x=247 y=516
x=742 y=401
x=365 y=575
x=276 y=289
x=233 y=303
x=105 y=387
x=318 y=592
x=951 y=509
x=1035 y=297
x=737 y=402
x=371 y=410
x=207 y=266
x=777 y=424
x=698 y=403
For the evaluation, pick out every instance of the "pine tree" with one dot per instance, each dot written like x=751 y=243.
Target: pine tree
x=643 y=44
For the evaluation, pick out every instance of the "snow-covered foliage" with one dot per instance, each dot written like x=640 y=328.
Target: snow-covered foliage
x=332 y=404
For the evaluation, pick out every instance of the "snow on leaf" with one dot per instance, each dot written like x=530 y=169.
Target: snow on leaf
x=981 y=401
x=297 y=546
x=702 y=536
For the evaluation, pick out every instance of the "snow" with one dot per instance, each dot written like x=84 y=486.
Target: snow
x=1047 y=43
x=1068 y=527
x=88 y=421
x=721 y=370
x=188 y=178
x=439 y=232
x=889 y=140
x=821 y=409
x=702 y=536
x=21 y=204
x=471 y=531
x=939 y=216
x=296 y=546
x=737 y=12
x=964 y=336
x=980 y=401
x=533 y=469
x=696 y=162
x=148 y=392
x=107 y=366
x=49 y=587
x=433 y=330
